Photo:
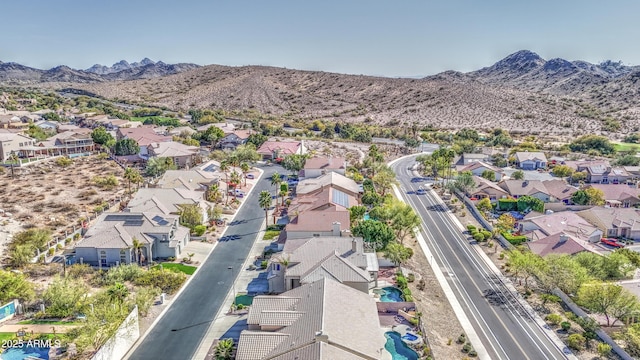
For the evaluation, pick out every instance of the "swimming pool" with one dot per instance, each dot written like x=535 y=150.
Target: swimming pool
x=391 y=294
x=366 y=217
x=25 y=352
x=397 y=348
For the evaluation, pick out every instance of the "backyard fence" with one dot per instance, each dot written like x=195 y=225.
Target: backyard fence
x=8 y=310
x=121 y=342
x=478 y=216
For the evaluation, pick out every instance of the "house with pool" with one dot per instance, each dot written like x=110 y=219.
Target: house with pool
x=306 y=260
x=322 y=319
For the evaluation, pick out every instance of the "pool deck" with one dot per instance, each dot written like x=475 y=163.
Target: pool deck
x=403 y=329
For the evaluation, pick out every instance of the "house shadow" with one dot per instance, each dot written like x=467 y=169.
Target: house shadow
x=234 y=331
x=258 y=285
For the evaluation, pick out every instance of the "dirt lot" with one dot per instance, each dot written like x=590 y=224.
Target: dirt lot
x=46 y=195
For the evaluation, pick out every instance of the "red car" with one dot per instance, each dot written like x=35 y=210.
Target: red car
x=611 y=242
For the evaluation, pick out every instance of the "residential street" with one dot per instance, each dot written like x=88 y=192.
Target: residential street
x=504 y=327
x=179 y=332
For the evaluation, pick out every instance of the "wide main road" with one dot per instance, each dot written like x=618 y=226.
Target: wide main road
x=178 y=333
x=505 y=328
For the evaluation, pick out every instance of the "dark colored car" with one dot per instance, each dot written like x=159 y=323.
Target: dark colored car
x=421 y=192
x=611 y=242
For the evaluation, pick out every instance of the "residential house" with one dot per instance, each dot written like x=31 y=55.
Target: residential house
x=328 y=197
x=620 y=195
x=333 y=221
x=634 y=173
x=115 y=124
x=332 y=179
x=48 y=125
x=178 y=131
x=13 y=143
x=320 y=320
x=518 y=188
x=6 y=121
x=193 y=179
x=321 y=165
x=530 y=160
x=486 y=189
x=603 y=173
x=144 y=136
x=110 y=240
x=470 y=158
x=614 y=222
x=67 y=127
x=167 y=201
x=568 y=222
x=226 y=127
x=560 y=244
x=69 y=143
x=182 y=155
x=339 y=258
x=559 y=191
x=478 y=168
x=232 y=140
x=271 y=150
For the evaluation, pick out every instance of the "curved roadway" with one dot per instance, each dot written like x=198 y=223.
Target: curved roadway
x=505 y=328
x=178 y=334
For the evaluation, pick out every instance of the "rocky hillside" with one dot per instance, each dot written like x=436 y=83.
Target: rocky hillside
x=16 y=74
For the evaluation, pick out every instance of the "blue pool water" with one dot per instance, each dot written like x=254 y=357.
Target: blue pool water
x=23 y=353
x=410 y=337
x=366 y=217
x=397 y=348
x=391 y=294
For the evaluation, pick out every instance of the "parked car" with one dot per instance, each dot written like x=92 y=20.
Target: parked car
x=238 y=193
x=251 y=176
x=611 y=242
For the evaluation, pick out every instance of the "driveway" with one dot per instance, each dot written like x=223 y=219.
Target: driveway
x=178 y=334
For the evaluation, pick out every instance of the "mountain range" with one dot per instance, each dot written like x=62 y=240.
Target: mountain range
x=14 y=73
x=522 y=92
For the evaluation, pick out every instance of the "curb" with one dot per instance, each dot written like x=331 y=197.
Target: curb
x=184 y=286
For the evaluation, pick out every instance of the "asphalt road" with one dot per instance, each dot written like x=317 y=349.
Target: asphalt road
x=179 y=332
x=505 y=328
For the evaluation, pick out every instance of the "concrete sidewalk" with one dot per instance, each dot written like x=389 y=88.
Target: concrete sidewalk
x=226 y=324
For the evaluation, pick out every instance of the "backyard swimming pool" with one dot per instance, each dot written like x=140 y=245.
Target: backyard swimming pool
x=397 y=348
x=391 y=294
x=25 y=352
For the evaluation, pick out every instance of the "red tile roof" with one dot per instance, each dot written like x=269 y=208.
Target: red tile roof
x=284 y=147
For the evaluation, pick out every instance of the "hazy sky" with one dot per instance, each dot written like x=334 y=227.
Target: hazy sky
x=390 y=38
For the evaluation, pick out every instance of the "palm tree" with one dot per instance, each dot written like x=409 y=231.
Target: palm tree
x=137 y=250
x=265 y=202
x=236 y=180
x=213 y=193
x=224 y=167
x=276 y=180
x=245 y=169
x=284 y=190
x=132 y=176
x=224 y=349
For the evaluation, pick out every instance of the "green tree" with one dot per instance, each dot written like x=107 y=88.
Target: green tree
x=257 y=140
x=126 y=147
x=384 y=180
x=132 y=176
x=484 y=206
x=562 y=272
x=137 y=250
x=265 y=203
x=64 y=297
x=597 y=143
x=15 y=286
x=328 y=132
x=374 y=232
x=356 y=213
x=588 y=196
x=211 y=135
x=397 y=253
x=562 y=171
x=525 y=264
x=190 y=215
x=610 y=300
x=100 y=136
x=245 y=153
x=158 y=166
x=118 y=292
x=505 y=223
x=578 y=176
x=284 y=191
x=294 y=163
x=404 y=220
x=489 y=175
x=628 y=160
x=245 y=170
x=518 y=175
x=464 y=182
x=527 y=202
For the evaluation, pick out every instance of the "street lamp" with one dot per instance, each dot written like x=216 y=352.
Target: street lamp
x=233 y=283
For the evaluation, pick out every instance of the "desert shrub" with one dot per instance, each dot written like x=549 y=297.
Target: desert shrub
x=63 y=297
x=408 y=298
x=406 y=291
x=553 y=319
x=145 y=297
x=565 y=325
x=411 y=277
x=51 y=251
x=63 y=161
x=421 y=285
x=79 y=270
x=507 y=204
x=486 y=234
x=462 y=338
x=167 y=280
x=604 y=349
x=478 y=237
x=199 y=230
x=515 y=240
x=264 y=264
x=401 y=281
x=576 y=341
x=108 y=182
x=473 y=353
x=470 y=227
x=121 y=274
x=467 y=347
